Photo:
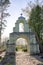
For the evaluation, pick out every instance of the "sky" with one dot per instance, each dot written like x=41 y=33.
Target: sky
x=14 y=10
x=21 y=41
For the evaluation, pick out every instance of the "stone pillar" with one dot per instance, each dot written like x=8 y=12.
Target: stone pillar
x=26 y=28
x=10 y=51
x=34 y=47
x=17 y=27
x=11 y=54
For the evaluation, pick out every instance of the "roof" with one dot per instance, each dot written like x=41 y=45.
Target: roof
x=21 y=17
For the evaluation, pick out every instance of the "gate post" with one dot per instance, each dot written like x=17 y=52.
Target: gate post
x=10 y=52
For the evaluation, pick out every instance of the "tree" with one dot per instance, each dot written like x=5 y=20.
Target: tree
x=36 y=23
x=3 y=7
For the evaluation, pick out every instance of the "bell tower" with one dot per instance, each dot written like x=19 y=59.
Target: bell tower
x=21 y=24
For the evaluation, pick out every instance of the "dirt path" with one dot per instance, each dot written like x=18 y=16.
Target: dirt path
x=24 y=59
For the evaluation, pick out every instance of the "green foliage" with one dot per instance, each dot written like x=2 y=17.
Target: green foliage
x=16 y=48
x=42 y=42
x=36 y=22
x=0 y=57
x=24 y=49
x=8 y=64
x=21 y=48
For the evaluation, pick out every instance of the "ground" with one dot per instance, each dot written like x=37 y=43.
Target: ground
x=23 y=58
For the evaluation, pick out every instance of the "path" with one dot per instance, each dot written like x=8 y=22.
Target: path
x=23 y=58
x=3 y=54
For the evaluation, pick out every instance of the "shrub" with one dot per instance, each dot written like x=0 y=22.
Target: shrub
x=25 y=50
x=16 y=48
x=42 y=42
x=0 y=57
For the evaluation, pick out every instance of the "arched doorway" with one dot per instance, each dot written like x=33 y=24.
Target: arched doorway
x=22 y=44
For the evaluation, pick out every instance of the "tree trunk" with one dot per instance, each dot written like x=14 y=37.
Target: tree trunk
x=39 y=42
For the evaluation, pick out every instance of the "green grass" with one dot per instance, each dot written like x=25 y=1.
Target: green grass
x=8 y=64
x=21 y=48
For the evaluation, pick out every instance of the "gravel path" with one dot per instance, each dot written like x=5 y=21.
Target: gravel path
x=23 y=58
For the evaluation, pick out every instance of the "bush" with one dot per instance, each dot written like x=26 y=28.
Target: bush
x=16 y=48
x=25 y=50
x=42 y=42
x=0 y=57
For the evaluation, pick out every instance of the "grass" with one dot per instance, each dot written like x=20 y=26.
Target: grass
x=19 y=48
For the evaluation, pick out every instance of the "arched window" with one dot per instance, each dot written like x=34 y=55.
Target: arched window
x=21 y=27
